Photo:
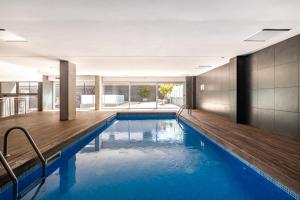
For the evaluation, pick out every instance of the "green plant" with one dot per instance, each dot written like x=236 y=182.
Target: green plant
x=144 y=92
x=165 y=89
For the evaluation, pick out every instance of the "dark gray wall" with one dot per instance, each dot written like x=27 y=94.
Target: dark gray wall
x=274 y=87
x=220 y=90
x=261 y=89
x=191 y=91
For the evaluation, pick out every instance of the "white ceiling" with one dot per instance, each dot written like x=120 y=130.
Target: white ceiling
x=139 y=37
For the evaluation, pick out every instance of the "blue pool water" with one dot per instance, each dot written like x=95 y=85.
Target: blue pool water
x=150 y=158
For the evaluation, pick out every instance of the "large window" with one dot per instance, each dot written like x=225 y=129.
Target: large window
x=170 y=95
x=28 y=98
x=85 y=95
x=115 y=96
x=8 y=87
x=137 y=95
x=28 y=87
x=143 y=95
x=18 y=98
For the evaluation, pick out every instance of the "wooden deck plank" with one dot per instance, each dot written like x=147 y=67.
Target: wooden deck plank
x=48 y=132
x=276 y=155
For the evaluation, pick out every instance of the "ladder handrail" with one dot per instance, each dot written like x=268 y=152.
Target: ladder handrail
x=10 y=173
x=28 y=136
x=180 y=109
x=185 y=106
x=189 y=110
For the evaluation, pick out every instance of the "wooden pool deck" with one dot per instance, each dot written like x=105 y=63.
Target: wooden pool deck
x=48 y=132
x=276 y=155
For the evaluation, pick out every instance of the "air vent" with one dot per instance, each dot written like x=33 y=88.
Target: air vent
x=204 y=66
x=265 y=34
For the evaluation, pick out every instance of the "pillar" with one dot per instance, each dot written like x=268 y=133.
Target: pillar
x=190 y=95
x=67 y=91
x=47 y=94
x=98 y=92
x=40 y=96
x=17 y=100
x=1 y=101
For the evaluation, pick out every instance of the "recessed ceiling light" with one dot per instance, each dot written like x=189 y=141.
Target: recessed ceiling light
x=8 y=36
x=265 y=34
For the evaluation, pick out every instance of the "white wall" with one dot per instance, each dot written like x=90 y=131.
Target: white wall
x=12 y=72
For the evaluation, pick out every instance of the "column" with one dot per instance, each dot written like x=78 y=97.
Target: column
x=190 y=95
x=16 y=100
x=40 y=96
x=47 y=94
x=67 y=91
x=98 y=92
x=1 y=101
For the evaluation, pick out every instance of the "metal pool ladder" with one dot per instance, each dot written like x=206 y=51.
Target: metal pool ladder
x=3 y=156
x=10 y=173
x=185 y=106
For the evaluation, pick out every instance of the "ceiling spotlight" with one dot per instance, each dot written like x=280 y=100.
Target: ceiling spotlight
x=8 y=36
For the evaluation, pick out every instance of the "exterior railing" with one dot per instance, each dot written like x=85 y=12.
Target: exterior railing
x=10 y=106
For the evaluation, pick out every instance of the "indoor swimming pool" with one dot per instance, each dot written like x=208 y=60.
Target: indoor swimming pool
x=150 y=157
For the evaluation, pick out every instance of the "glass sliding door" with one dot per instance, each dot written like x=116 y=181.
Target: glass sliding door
x=115 y=95
x=169 y=95
x=143 y=95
